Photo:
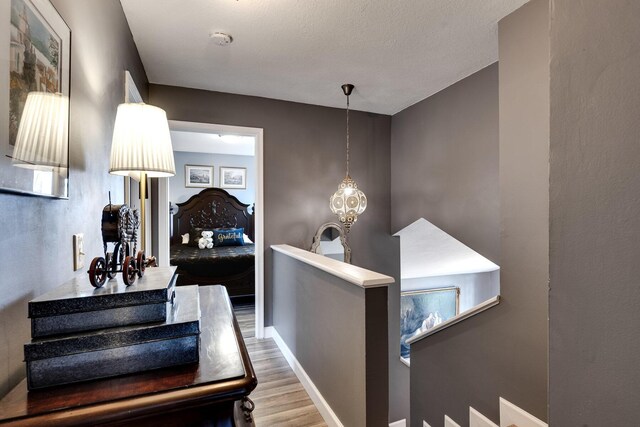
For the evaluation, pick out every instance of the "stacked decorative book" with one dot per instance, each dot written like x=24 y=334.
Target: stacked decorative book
x=81 y=333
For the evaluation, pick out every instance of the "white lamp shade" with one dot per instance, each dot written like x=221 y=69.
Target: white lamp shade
x=43 y=140
x=141 y=142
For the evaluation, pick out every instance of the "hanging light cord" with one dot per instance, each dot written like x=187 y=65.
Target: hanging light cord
x=347 y=135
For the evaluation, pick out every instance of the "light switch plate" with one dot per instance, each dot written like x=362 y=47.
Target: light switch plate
x=78 y=251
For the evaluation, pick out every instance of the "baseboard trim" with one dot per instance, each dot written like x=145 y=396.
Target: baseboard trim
x=399 y=423
x=268 y=331
x=325 y=410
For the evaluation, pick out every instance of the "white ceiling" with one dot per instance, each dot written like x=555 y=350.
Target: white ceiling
x=204 y=142
x=427 y=251
x=395 y=52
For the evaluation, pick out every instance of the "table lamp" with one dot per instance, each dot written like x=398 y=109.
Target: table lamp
x=141 y=148
x=42 y=140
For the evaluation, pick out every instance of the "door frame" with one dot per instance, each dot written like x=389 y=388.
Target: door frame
x=163 y=209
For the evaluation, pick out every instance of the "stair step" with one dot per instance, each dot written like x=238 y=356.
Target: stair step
x=510 y=416
x=513 y=416
x=476 y=419
x=448 y=422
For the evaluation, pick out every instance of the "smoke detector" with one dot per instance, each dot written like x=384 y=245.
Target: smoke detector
x=221 y=39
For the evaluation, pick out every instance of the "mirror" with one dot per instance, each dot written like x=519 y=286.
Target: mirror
x=331 y=241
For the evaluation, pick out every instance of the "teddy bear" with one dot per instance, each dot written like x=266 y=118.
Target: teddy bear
x=206 y=241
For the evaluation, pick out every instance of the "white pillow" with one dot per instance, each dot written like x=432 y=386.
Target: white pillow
x=185 y=238
x=246 y=238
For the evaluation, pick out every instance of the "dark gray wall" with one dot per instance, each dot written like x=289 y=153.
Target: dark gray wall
x=304 y=154
x=444 y=163
x=595 y=214
x=503 y=351
x=335 y=329
x=524 y=210
x=102 y=48
x=444 y=167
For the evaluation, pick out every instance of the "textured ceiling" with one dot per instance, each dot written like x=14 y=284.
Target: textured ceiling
x=395 y=52
x=427 y=251
x=203 y=142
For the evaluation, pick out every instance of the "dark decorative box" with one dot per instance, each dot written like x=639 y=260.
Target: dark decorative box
x=121 y=350
x=77 y=306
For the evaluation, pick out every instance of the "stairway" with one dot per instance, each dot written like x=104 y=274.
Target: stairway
x=510 y=416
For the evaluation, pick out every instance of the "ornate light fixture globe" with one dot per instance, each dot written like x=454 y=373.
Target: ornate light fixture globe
x=348 y=201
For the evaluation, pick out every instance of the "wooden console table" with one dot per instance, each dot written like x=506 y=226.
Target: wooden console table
x=210 y=393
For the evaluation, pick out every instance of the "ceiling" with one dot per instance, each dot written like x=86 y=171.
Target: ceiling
x=395 y=52
x=427 y=251
x=203 y=142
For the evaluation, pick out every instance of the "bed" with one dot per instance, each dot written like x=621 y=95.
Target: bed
x=231 y=266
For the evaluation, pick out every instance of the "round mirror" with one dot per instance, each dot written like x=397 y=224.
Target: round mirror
x=331 y=241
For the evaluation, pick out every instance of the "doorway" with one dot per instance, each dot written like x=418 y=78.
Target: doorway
x=225 y=136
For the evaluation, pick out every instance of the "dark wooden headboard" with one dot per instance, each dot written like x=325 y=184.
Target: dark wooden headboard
x=209 y=209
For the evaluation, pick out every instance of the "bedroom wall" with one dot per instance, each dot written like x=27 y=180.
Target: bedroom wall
x=595 y=214
x=36 y=233
x=178 y=193
x=304 y=155
x=444 y=167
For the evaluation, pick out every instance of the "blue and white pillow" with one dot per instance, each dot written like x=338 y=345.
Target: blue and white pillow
x=228 y=237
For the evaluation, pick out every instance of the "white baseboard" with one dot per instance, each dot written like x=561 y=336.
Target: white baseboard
x=268 y=331
x=323 y=407
x=399 y=423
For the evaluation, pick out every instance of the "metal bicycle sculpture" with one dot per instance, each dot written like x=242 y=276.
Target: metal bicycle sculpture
x=119 y=226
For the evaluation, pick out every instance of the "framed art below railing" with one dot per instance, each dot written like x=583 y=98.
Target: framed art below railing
x=422 y=310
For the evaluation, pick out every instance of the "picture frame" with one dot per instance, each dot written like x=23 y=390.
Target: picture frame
x=233 y=177
x=421 y=310
x=35 y=49
x=199 y=176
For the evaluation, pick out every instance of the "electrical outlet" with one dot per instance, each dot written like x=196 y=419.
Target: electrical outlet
x=78 y=251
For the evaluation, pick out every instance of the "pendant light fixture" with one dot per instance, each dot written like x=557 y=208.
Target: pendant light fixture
x=348 y=201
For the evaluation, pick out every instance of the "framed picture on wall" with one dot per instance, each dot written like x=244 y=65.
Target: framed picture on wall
x=233 y=177
x=424 y=309
x=35 y=64
x=198 y=176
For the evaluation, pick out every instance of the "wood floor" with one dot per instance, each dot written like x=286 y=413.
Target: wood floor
x=280 y=399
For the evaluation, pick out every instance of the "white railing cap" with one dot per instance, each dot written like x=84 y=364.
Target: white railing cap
x=491 y=302
x=353 y=274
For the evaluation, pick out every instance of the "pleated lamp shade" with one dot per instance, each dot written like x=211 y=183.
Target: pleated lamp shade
x=141 y=142
x=42 y=140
